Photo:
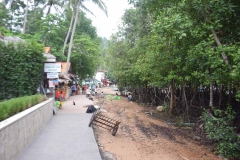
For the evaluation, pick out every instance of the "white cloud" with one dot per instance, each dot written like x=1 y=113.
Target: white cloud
x=107 y=25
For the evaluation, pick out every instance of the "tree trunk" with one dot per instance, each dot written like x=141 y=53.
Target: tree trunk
x=225 y=58
x=172 y=98
x=185 y=99
x=220 y=98
x=211 y=94
x=25 y=19
x=69 y=30
x=45 y=38
x=35 y=12
x=72 y=36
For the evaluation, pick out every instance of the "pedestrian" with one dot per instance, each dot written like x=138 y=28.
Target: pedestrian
x=73 y=88
x=78 y=89
x=102 y=95
x=129 y=97
x=113 y=97
x=61 y=100
x=88 y=92
x=83 y=89
x=96 y=92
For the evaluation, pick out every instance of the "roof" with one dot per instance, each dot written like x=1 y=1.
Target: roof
x=49 y=57
x=47 y=49
x=102 y=71
x=8 y=39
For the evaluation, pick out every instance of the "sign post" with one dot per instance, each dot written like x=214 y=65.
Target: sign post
x=52 y=67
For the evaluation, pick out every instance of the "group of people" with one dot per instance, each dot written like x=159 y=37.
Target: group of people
x=85 y=89
x=75 y=89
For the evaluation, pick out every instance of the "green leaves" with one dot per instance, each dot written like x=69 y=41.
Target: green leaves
x=219 y=128
x=22 y=65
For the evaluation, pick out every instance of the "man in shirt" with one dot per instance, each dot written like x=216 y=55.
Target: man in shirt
x=73 y=88
x=88 y=92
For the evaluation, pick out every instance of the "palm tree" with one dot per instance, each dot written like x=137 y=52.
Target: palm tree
x=25 y=18
x=18 y=4
x=56 y=4
x=70 y=10
x=101 y=5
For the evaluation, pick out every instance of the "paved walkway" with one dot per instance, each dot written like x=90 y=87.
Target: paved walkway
x=66 y=136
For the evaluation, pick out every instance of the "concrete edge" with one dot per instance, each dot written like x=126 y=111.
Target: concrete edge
x=7 y=122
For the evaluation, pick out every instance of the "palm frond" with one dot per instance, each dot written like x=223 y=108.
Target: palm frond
x=101 y=5
x=84 y=8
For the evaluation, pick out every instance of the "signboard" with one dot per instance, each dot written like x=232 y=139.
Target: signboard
x=55 y=82
x=50 y=83
x=52 y=67
x=52 y=75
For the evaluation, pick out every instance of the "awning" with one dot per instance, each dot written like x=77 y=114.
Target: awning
x=63 y=80
x=71 y=75
x=64 y=76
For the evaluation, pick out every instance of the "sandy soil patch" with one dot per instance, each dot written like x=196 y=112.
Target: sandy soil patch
x=142 y=136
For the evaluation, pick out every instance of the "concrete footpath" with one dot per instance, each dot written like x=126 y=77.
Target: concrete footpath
x=66 y=136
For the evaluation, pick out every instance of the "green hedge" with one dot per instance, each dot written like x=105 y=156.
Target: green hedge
x=21 y=67
x=11 y=107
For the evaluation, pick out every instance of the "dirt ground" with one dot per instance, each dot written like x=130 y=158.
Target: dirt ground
x=144 y=136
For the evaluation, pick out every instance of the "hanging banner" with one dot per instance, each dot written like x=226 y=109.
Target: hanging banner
x=55 y=82
x=52 y=75
x=52 y=67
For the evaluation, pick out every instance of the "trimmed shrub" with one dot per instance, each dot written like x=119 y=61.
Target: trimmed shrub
x=21 y=69
x=11 y=107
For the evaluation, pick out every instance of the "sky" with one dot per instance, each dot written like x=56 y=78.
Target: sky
x=107 y=25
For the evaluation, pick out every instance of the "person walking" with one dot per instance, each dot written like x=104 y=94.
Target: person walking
x=88 y=91
x=61 y=100
x=73 y=88
x=83 y=89
x=78 y=88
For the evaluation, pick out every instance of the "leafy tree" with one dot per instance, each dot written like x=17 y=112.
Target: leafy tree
x=21 y=65
x=190 y=45
x=85 y=56
x=4 y=16
x=101 y=5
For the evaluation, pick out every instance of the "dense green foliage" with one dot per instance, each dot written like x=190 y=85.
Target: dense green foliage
x=169 y=43
x=180 y=53
x=220 y=128
x=11 y=107
x=51 y=30
x=21 y=68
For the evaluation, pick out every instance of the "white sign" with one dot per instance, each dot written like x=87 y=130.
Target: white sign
x=52 y=67
x=52 y=75
x=50 y=83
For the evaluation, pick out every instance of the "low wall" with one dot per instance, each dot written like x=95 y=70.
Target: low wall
x=18 y=131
